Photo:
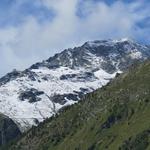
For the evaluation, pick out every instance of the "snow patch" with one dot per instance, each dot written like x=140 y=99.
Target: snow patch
x=136 y=55
x=25 y=113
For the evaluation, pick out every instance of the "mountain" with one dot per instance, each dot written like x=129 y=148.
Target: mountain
x=115 y=117
x=30 y=96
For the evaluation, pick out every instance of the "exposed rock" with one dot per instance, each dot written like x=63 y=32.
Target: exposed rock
x=8 y=130
x=31 y=95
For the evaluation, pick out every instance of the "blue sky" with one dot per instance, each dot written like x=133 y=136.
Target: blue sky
x=33 y=31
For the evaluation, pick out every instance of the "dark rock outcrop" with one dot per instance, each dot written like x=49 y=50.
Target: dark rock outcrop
x=31 y=95
x=8 y=130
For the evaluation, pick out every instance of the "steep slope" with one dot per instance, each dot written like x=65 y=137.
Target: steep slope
x=113 y=117
x=8 y=130
x=31 y=96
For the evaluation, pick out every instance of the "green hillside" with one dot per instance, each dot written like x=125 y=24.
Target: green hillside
x=116 y=117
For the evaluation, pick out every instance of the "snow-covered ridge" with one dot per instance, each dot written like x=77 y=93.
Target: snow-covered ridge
x=39 y=92
x=26 y=113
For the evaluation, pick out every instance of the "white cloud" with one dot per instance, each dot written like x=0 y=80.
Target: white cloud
x=32 y=41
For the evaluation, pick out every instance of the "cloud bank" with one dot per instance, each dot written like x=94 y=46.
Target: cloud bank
x=49 y=26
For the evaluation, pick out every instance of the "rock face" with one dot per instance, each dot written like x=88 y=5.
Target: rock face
x=8 y=130
x=30 y=96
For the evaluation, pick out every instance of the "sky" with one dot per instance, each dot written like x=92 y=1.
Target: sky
x=33 y=31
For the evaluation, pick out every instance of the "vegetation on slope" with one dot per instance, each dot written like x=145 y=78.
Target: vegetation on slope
x=114 y=117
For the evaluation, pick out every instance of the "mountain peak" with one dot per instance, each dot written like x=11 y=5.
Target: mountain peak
x=107 y=42
x=123 y=40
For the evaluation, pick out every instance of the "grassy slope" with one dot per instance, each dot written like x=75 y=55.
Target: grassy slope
x=114 y=117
